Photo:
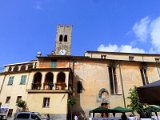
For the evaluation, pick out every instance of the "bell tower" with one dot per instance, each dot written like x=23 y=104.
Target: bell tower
x=63 y=40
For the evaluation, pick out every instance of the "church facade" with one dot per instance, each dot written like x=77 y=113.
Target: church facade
x=95 y=79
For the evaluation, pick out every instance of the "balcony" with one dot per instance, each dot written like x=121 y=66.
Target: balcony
x=60 y=86
x=36 y=86
x=48 y=86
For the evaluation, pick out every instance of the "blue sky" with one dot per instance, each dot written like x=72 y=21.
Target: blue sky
x=29 y=26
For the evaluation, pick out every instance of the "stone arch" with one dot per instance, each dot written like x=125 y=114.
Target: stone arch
x=61 y=77
x=48 y=83
x=30 y=66
x=10 y=69
x=37 y=81
x=61 y=81
x=65 y=38
x=60 y=38
x=101 y=91
x=23 y=67
x=15 y=68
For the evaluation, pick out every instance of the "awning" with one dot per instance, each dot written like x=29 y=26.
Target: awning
x=150 y=93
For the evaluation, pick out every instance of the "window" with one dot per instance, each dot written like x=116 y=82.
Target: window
x=23 y=67
x=65 y=38
x=60 y=38
x=157 y=59
x=144 y=76
x=103 y=56
x=46 y=102
x=79 y=87
x=8 y=99
x=10 y=111
x=15 y=68
x=113 y=80
x=30 y=67
x=131 y=58
x=35 y=117
x=10 y=82
x=53 y=64
x=23 y=80
x=23 y=116
x=10 y=69
x=18 y=98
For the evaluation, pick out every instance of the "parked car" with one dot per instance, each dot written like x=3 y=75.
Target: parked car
x=27 y=116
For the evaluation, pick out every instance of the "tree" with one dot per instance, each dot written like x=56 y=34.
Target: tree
x=135 y=103
x=71 y=102
x=22 y=105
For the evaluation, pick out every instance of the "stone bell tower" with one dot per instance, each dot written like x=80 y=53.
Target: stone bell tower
x=63 y=40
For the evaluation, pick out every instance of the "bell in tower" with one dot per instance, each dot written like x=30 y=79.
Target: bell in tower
x=63 y=40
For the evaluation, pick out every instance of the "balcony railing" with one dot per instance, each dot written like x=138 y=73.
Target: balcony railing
x=48 y=86
x=36 y=86
x=60 y=86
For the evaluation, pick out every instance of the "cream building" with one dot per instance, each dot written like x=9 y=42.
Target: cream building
x=93 y=80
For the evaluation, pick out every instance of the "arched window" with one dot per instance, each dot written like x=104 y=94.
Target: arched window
x=60 y=38
x=30 y=67
x=23 y=67
x=65 y=38
x=36 y=85
x=48 y=84
x=15 y=68
x=79 y=87
x=60 y=85
x=10 y=69
x=61 y=78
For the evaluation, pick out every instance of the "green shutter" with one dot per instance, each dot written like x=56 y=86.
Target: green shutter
x=23 y=80
x=53 y=64
x=10 y=82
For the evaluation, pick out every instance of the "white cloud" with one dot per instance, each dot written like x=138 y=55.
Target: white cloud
x=141 y=29
x=146 y=30
x=122 y=48
x=155 y=34
x=110 y=48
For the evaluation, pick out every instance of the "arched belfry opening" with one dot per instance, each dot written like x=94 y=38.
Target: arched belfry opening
x=60 y=38
x=65 y=38
x=60 y=85
x=36 y=85
x=48 y=83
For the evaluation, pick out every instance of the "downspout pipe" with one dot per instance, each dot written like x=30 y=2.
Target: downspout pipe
x=121 y=79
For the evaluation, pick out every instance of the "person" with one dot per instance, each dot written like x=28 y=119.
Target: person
x=123 y=116
x=75 y=117
x=48 y=117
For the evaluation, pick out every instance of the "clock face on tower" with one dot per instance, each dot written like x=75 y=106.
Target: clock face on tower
x=62 y=52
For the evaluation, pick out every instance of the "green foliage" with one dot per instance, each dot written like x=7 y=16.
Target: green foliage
x=71 y=101
x=21 y=104
x=135 y=103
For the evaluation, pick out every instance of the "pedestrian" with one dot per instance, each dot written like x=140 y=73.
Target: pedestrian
x=75 y=117
x=48 y=117
x=124 y=117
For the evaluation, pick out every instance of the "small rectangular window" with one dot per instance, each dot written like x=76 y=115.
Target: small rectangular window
x=46 y=102
x=8 y=99
x=18 y=98
x=103 y=56
x=23 y=80
x=53 y=64
x=157 y=59
x=10 y=81
x=131 y=58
